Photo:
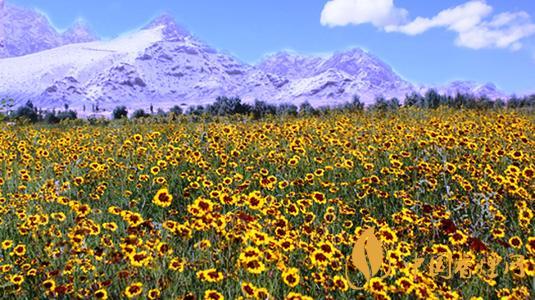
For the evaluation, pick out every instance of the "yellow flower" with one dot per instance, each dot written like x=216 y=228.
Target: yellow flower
x=341 y=283
x=101 y=294
x=291 y=277
x=255 y=266
x=17 y=279
x=153 y=294
x=7 y=244
x=134 y=290
x=248 y=289
x=176 y=264
x=163 y=198
x=458 y=238
x=210 y=275
x=515 y=242
x=297 y=296
x=49 y=284
x=19 y=250
x=213 y=295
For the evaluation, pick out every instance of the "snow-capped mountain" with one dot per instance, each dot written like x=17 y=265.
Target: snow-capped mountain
x=470 y=87
x=337 y=78
x=25 y=31
x=164 y=65
x=79 y=32
x=160 y=64
x=290 y=65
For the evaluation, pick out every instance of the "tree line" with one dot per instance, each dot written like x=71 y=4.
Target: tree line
x=225 y=106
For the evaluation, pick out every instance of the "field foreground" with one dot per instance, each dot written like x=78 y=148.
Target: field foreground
x=272 y=209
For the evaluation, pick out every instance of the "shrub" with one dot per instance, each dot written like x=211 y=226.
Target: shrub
x=224 y=106
x=260 y=109
x=67 y=115
x=286 y=109
x=356 y=104
x=51 y=118
x=177 y=110
x=140 y=113
x=196 y=110
x=28 y=111
x=307 y=109
x=120 y=112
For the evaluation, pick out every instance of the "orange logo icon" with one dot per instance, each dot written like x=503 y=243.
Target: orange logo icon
x=367 y=256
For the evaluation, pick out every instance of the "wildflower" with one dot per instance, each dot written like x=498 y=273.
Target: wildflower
x=458 y=238
x=133 y=290
x=153 y=294
x=162 y=198
x=17 y=279
x=213 y=295
x=49 y=284
x=19 y=250
x=515 y=242
x=6 y=244
x=101 y=294
x=291 y=277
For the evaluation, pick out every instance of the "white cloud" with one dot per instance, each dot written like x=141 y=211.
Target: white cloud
x=460 y=18
x=473 y=22
x=377 y=12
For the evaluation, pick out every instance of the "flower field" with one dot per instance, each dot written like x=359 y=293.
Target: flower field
x=270 y=209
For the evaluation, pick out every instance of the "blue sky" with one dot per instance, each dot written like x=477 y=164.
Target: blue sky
x=486 y=41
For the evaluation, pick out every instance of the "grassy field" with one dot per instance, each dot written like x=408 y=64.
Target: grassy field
x=270 y=209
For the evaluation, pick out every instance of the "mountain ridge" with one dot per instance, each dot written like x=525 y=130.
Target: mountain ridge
x=26 y=31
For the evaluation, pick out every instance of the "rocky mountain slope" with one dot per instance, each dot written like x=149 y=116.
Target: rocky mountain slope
x=470 y=87
x=25 y=31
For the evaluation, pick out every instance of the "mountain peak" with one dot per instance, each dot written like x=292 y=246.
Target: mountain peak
x=285 y=53
x=79 y=32
x=171 y=30
x=488 y=89
x=284 y=56
x=25 y=31
x=352 y=55
x=353 y=52
x=289 y=64
x=163 y=19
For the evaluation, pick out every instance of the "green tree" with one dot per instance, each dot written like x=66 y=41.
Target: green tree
x=28 y=111
x=120 y=112
x=139 y=113
x=177 y=110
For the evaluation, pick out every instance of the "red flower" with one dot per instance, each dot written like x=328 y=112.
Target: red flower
x=448 y=227
x=477 y=245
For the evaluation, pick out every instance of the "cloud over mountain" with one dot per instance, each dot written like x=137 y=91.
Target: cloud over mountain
x=474 y=22
x=377 y=12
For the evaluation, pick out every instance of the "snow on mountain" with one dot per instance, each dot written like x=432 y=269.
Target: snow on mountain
x=335 y=79
x=290 y=65
x=171 y=31
x=470 y=87
x=161 y=64
x=79 y=32
x=164 y=65
x=36 y=75
x=25 y=31
x=186 y=69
